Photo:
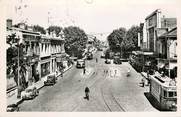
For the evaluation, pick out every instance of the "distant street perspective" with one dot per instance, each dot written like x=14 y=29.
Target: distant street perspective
x=62 y=67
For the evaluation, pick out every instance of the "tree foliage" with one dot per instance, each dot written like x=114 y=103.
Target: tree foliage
x=75 y=40
x=122 y=40
x=38 y=28
x=115 y=39
x=12 y=59
x=132 y=37
x=55 y=29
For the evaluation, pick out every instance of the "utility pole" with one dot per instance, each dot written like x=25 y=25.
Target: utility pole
x=18 y=94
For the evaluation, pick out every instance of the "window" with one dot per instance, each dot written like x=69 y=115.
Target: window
x=170 y=94
x=175 y=93
x=165 y=94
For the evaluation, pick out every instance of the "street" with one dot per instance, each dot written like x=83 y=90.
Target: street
x=112 y=91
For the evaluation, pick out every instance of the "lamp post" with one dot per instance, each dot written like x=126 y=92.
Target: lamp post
x=18 y=83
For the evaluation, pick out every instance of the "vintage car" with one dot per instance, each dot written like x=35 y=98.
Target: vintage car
x=108 y=61
x=30 y=93
x=80 y=63
x=102 y=55
x=117 y=60
x=89 y=55
x=51 y=80
x=12 y=108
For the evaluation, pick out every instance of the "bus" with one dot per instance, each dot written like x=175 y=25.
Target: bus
x=89 y=55
x=163 y=89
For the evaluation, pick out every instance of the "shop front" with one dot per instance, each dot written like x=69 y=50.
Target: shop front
x=59 y=63
x=62 y=61
x=45 y=67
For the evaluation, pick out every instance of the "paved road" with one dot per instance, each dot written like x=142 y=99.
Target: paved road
x=108 y=92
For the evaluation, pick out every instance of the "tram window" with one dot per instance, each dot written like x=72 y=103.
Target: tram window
x=175 y=93
x=170 y=94
x=165 y=94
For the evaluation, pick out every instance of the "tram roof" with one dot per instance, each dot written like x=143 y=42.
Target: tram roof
x=166 y=82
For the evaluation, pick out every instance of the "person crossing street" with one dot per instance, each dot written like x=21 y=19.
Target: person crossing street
x=87 y=91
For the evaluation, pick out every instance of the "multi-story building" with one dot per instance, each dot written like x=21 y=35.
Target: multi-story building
x=52 y=54
x=153 y=21
x=31 y=41
x=44 y=54
x=153 y=37
x=168 y=54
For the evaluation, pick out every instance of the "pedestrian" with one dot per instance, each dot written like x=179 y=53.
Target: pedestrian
x=110 y=73
x=62 y=73
x=87 y=91
x=107 y=72
x=143 y=82
x=115 y=72
x=96 y=60
x=128 y=73
x=84 y=70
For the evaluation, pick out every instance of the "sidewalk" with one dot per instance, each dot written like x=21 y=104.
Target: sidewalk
x=12 y=97
x=144 y=74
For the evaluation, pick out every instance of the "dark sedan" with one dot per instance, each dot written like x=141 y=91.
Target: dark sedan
x=51 y=80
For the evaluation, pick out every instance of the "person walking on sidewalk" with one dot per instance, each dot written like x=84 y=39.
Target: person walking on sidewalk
x=87 y=91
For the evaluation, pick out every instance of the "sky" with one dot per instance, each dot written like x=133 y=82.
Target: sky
x=93 y=16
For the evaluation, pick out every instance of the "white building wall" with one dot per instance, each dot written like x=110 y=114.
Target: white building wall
x=172 y=49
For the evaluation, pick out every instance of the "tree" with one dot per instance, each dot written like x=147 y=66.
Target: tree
x=132 y=37
x=75 y=40
x=115 y=39
x=38 y=28
x=55 y=29
x=12 y=60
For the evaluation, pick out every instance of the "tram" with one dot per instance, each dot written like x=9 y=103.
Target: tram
x=163 y=89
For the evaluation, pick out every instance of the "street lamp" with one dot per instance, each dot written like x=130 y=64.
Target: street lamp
x=18 y=83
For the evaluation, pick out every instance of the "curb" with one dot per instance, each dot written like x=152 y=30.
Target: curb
x=144 y=76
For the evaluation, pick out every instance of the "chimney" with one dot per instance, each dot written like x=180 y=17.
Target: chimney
x=9 y=23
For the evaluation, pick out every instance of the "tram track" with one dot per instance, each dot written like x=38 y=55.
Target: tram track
x=110 y=101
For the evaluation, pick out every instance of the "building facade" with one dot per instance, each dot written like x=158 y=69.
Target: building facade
x=158 y=35
x=43 y=54
x=153 y=21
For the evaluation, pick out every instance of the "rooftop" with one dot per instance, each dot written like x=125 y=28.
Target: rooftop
x=171 y=33
x=154 y=12
x=164 y=81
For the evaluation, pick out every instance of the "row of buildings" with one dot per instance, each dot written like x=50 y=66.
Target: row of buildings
x=45 y=53
x=158 y=39
x=158 y=58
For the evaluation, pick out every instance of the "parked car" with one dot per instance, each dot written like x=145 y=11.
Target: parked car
x=108 y=61
x=51 y=80
x=117 y=60
x=99 y=49
x=30 y=93
x=89 y=55
x=102 y=55
x=80 y=63
x=12 y=108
